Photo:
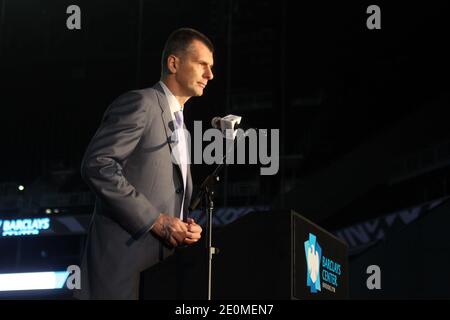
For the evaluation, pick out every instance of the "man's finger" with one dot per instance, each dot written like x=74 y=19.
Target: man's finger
x=193 y=235
x=194 y=228
x=190 y=220
x=190 y=241
x=173 y=242
x=179 y=236
x=182 y=226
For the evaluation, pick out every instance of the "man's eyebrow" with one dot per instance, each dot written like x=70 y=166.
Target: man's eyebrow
x=204 y=62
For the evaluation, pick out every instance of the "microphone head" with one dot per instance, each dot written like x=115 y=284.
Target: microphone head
x=215 y=122
x=228 y=125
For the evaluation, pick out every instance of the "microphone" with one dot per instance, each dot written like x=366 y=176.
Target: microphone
x=228 y=125
x=215 y=122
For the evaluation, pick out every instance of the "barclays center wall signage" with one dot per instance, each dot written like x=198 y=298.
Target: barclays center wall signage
x=322 y=273
x=23 y=227
x=43 y=226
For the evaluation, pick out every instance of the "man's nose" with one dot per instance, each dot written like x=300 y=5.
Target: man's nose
x=209 y=74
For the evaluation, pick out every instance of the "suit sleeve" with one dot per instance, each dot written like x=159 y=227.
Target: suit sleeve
x=122 y=126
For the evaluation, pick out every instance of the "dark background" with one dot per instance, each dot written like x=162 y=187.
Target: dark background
x=362 y=113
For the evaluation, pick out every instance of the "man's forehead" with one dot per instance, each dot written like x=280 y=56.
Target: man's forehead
x=198 y=48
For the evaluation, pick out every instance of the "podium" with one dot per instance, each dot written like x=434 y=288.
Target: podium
x=263 y=255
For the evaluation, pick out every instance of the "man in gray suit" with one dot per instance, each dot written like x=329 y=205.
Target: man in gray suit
x=142 y=194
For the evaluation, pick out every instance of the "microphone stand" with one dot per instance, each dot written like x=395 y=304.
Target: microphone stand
x=206 y=192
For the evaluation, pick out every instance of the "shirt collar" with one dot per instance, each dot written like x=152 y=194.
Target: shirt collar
x=174 y=105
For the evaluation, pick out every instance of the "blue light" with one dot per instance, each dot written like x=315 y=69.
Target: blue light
x=33 y=280
x=23 y=227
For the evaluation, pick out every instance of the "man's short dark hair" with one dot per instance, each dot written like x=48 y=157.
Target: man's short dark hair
x=179 y=41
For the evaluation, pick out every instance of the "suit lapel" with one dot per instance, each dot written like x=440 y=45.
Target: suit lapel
x=167 y=120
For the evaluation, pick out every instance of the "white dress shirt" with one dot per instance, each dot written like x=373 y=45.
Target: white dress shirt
x=181 y=146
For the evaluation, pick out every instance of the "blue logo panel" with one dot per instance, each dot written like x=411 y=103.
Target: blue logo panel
x=313 y=254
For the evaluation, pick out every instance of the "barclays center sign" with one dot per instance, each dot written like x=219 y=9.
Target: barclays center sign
x=321 y=271
x=23 y=227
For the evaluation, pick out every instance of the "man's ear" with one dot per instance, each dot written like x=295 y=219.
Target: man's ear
x=172 y=64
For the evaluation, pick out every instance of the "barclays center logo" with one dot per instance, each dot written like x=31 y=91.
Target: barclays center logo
x=313 y=253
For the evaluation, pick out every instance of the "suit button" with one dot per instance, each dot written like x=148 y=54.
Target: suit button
x=179 y=190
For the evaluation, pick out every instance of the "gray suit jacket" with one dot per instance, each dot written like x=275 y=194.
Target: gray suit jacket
x=128 y=166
